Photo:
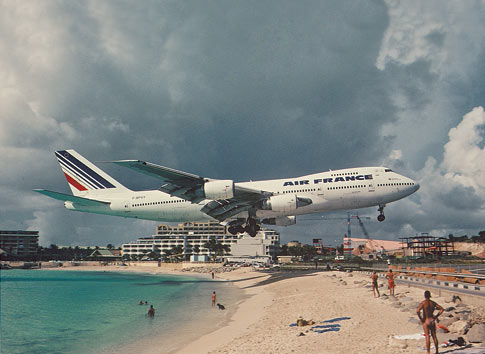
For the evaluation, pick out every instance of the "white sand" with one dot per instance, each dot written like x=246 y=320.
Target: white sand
x=261 y=323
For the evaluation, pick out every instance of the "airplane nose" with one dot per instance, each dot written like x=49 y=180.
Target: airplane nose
x=416 y=186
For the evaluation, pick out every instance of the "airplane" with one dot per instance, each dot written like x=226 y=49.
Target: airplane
x=242 y=206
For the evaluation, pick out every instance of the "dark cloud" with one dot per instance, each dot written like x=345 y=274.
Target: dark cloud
x=240 y=90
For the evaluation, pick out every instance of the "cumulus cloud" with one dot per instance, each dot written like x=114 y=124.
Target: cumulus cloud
x=464 y=158
x=453 y=191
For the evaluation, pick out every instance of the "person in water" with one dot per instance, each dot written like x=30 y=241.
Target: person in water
x=213 y=298
x=428 y=319
x=151 y=311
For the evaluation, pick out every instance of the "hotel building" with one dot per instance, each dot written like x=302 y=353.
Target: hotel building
x=19 y=243
x=192 y=234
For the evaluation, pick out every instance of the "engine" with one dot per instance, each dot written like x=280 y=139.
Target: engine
x=280 y=221
x=285 y=203
x=219 y=189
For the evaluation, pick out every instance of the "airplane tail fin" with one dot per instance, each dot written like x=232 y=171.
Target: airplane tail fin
x=83 y=176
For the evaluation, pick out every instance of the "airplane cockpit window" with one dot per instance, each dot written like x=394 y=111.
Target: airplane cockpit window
x=388 y=170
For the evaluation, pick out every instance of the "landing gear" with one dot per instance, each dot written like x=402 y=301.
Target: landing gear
x=236 y=229
x=381 y=216
x=252 y=227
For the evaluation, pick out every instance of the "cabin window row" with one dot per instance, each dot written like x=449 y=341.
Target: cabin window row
x=159 y=203
x=299 y=191
x=395 y=184
x=346 y=187
x=344 y=174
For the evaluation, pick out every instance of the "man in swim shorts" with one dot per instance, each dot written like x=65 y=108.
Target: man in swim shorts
x=392 y=284
x=151 y=311
x=428 y=319
x=375 y=286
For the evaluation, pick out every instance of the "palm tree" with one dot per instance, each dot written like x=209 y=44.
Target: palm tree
x=211 y=245
x=217 y=247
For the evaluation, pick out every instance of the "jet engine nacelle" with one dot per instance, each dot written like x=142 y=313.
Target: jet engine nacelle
x=219 y=189
x=285 y=203
x=280 y=221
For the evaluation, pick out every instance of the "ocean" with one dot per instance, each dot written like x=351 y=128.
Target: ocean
x=55 y=311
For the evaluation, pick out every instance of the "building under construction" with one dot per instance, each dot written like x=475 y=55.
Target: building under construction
x=427 y=246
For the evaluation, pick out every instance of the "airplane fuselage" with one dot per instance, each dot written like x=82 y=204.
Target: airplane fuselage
x=332 y=190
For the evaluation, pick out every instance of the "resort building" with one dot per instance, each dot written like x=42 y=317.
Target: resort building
x=192 y=236
x=19 y=243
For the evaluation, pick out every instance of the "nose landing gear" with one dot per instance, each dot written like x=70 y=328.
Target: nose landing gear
x=381 y=216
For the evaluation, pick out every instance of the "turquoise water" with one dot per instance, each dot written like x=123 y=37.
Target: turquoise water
x=96 y=312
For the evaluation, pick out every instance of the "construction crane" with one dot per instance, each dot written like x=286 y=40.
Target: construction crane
x=348 y=218
x=347 y=239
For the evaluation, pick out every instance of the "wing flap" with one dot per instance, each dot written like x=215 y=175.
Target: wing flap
x=71 y=198
x=223 y=209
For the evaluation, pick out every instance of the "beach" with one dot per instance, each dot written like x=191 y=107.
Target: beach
x=347 y=318
x=360 y=322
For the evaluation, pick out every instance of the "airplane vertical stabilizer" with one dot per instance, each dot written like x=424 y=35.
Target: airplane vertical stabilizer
x=83 y=176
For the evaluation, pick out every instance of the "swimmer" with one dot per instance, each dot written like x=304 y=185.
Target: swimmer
x=151 y=311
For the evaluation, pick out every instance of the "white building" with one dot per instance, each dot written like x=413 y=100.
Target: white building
x=192 y=236
x=264 y=243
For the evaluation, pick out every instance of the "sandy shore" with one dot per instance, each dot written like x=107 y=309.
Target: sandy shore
x=261 y=323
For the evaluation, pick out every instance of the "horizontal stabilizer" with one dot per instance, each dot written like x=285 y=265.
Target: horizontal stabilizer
x=71 y=198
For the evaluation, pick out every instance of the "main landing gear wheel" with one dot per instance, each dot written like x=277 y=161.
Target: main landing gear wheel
x=381 y=216
x=237 y=229
x=252 y=227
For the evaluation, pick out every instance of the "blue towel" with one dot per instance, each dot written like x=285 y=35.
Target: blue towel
x=333 y=329
x=327 y=326
x=336 y=319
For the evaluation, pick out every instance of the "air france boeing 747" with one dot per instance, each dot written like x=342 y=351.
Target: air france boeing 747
x=243 y=205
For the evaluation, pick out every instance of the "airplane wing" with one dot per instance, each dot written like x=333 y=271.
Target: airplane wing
x=71 y=198
x=191 y=187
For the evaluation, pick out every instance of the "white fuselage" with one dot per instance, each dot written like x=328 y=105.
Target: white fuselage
x=333 y=190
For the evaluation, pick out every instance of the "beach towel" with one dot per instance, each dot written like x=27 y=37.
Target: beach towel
x=336 y=319
x=327 y=326
x=332 y=329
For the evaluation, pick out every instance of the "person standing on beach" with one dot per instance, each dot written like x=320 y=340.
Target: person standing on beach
x=428 y=319
x=213 y=298
x=392 y=284
x=375 y=286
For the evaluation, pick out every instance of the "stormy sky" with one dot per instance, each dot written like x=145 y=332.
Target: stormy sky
x=244 y=90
